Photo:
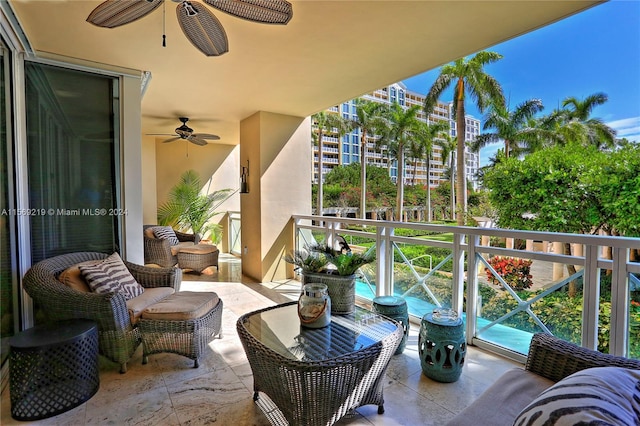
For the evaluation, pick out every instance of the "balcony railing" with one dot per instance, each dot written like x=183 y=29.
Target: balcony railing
x=588 y=295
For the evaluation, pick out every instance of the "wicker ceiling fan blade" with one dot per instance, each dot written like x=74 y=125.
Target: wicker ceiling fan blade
x=113 y=13
x=171 y=139
x=207 y=136
x=202 y=29
x=264 y=11
x=196 y=140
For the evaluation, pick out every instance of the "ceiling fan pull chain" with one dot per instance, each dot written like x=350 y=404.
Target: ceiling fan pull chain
x=164 y=28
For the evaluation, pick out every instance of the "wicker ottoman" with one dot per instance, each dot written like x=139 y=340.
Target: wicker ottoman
x=198 y=257
x=183 y=323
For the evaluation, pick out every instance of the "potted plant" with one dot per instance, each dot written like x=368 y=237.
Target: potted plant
x=188 y=209
x=337 y=269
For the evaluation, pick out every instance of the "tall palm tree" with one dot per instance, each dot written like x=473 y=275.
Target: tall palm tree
x=327 y=123
x=572 y=123
x=415 y=153
x=470 y=80
x=403 y=127
x=449 y=145
x=369 y=119
x=426 y=136
x=595 y=131
x=509 y=126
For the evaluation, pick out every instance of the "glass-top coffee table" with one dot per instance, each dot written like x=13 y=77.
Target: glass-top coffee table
x=317 y=376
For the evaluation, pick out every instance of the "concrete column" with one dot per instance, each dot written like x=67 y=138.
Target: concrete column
x=558 y=268
x=529 y=245
x=277 y=149
x=509 y=243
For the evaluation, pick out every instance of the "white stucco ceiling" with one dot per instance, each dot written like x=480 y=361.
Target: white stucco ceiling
x=329 y=52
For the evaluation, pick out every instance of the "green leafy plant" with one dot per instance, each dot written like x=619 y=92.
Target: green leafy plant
x=345 y=263
x=321 y=258
x=188 y=209
x=307 y=260
x=515 y=272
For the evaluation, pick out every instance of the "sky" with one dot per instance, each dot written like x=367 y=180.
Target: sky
x=597 y=50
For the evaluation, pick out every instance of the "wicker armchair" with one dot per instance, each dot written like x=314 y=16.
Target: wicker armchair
x=118 y=339
x=158 y=251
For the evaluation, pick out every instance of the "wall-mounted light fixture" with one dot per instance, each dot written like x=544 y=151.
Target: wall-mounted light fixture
x=244 y=174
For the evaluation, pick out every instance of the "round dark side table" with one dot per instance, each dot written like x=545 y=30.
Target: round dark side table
x=53 y=368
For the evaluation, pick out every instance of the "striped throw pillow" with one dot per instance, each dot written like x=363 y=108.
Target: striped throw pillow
x=111 y=276
x=166 y=233
x=595 y=396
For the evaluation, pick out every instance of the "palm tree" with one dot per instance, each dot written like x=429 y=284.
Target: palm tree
x=422 y=147
x=369 y=119
x=188 y=209
x=572 y=123
x=415 y=153
x=595 y=131
x=449 y=145
x=403 y=127
x=510 y=126
x=470 y=79
x=327 y=123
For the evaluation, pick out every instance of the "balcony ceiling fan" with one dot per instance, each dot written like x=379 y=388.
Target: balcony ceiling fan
x=185 y=132
x=199 y=25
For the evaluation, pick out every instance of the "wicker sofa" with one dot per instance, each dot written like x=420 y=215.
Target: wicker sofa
x=118 y=336
x=550 y=360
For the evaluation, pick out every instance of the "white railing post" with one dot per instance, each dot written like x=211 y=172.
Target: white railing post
x=472 y=287
x=591 y=298
x=458 y=273
x=384 y=264
x=619 y=327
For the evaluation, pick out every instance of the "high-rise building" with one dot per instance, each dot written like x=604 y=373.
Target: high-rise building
x=346 y=149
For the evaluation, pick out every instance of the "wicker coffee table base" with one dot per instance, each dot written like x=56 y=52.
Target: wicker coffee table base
x=188 y=338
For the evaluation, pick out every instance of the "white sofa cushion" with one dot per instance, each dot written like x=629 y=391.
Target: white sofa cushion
x=503 y=400
x=150 y=296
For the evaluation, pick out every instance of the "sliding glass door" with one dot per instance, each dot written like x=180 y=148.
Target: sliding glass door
x=8 y=302
x=73 y=161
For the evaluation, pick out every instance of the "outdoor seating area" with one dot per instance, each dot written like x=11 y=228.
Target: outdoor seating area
x=168 y=390
x=158 y=314
x=166 y=247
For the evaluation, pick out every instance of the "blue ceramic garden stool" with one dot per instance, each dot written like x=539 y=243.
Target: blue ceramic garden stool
x=395 y=308
x=442 y=348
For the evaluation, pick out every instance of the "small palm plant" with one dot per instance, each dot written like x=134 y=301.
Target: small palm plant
x=308 y=260
x=346 y=262
x=188 y=209
x=320 y=258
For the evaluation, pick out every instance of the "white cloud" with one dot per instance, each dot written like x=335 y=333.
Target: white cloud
x=627 y=128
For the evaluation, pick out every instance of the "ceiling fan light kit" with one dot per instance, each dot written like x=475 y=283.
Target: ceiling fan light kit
x=199 y=25
x=185 y=132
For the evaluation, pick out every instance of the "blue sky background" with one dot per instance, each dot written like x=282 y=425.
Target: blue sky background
x=597 y=50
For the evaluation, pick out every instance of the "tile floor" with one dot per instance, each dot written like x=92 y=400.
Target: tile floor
x=169 y=391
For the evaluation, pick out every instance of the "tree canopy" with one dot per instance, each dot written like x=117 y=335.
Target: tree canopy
x=569 y=188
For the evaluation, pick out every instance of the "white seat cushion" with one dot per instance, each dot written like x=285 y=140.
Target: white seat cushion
x=146 y=299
